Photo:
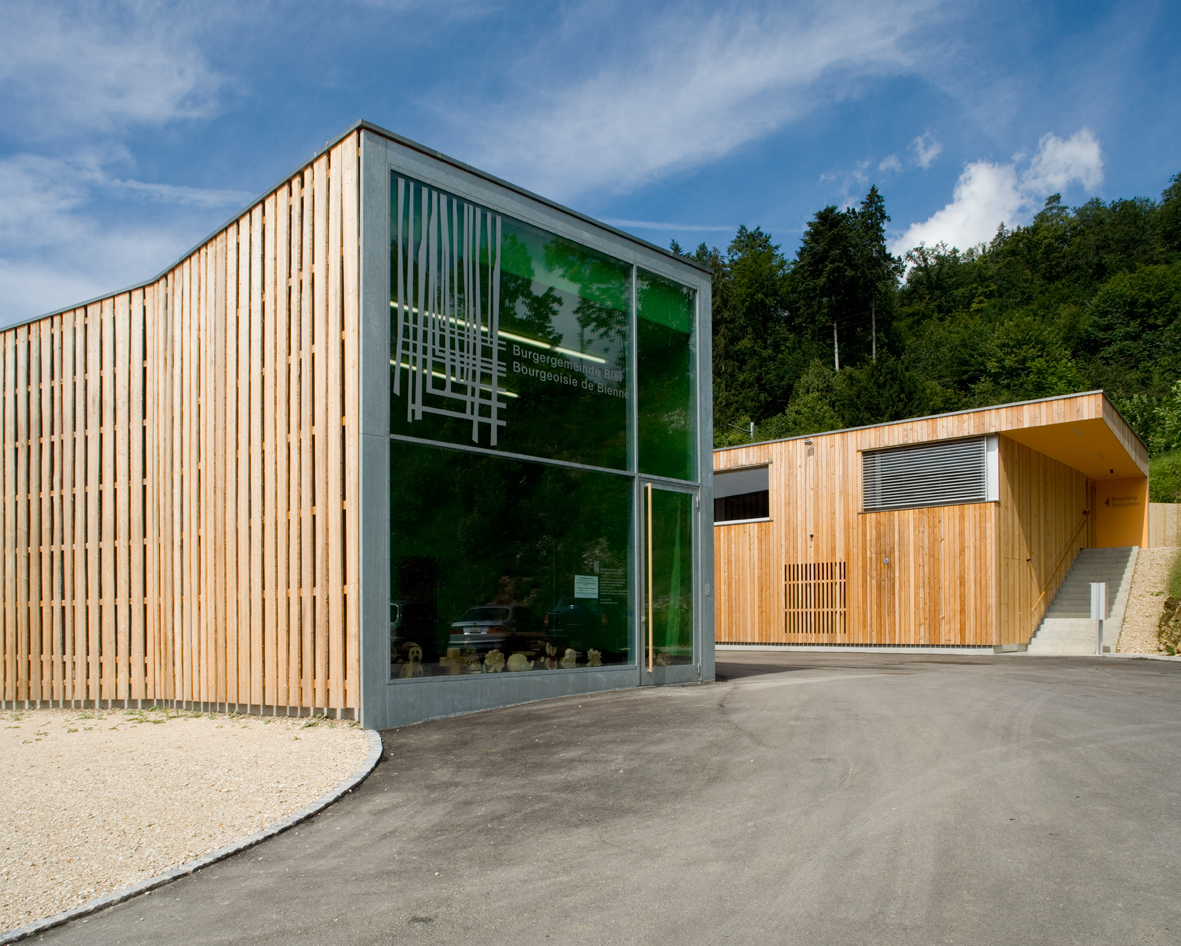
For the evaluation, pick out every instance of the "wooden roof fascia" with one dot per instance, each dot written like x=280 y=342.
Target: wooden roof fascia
x=1088 y=406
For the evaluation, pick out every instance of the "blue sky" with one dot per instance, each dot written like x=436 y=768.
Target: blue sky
x=130 y=130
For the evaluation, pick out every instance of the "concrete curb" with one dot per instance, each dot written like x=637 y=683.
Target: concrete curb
x=101 y=903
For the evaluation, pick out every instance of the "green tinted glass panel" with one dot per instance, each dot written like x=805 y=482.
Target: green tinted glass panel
x=672 y=577
x=501 y=566
x=666 y=398
x=504 y=335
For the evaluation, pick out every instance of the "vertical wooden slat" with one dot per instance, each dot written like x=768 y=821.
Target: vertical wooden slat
x=106 y=495
x=231 y=463
x=36 y=541
x=152 y=622
x=269 y=516
x=335 y=435
x=9 y=500
x=205 y=426
x=308 y=665
x=280 y=307
x=321 y=426
x=176 y=524
x=72 y=675
x=57 y=538
x=256 y=470
x=350 y=190
x=193 y=574
x=121 y=559
x=45 y=434
x=217 y=455
x=82 y=648
x=135 y=496
x=170 y=484
x=295 y=475
x=93 y=462
x=244 y=469
x=185 y=462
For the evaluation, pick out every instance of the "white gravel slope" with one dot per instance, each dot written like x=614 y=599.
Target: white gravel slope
x=1146 y=601
x=94 y=801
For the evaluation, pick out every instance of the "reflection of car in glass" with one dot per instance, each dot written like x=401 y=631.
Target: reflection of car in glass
x=504 y=627
x=412 y=622
x=581 y=620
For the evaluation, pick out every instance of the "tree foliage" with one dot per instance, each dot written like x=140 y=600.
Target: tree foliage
x=1080 y=299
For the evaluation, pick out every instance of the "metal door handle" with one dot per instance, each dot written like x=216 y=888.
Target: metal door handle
x=648 y=486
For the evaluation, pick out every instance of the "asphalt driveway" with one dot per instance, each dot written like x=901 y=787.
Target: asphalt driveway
x=811 y=799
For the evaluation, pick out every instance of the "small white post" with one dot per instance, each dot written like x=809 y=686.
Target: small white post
x=1098 y=612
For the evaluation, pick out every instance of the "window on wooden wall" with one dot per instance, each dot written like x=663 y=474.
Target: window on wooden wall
x=742 y=495
x=945 y=473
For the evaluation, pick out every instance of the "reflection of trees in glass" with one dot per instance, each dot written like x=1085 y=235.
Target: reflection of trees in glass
x=559 y=295
x=665 y=388
x=506 y=532
x=602 y=287
x=532 y=313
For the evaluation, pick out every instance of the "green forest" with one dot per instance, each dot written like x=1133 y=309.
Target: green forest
x=846 y=334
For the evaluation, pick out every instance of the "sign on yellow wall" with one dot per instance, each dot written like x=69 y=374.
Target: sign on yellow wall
x=1121 y=513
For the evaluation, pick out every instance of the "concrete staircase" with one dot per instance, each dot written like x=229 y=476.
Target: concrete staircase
x=1067 y=627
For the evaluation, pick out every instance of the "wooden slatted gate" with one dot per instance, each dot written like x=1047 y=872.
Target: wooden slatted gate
x=178 y=467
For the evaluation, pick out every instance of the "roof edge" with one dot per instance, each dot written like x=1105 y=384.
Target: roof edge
x=143 y=284
x=525 y=192
x=360 y=125
x=970 y=410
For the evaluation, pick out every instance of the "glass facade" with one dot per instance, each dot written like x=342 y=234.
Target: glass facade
x=507 y=339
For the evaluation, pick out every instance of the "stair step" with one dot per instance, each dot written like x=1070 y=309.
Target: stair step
x=1067 y=627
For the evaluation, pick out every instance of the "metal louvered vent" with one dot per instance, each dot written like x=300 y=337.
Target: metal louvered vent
x=929 y=474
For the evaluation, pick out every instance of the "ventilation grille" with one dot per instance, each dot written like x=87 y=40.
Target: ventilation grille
x=814 y=600
x=933 y=474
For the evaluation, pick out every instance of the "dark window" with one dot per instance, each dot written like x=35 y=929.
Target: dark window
x=741 y=495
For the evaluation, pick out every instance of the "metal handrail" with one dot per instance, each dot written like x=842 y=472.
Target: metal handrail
x=649 y=489
x=1061 y=559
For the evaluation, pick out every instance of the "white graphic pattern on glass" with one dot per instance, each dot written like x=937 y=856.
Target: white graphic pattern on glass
x=448 y=331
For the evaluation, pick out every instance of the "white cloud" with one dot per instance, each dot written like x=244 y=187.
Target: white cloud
x=1058 y=163
x=69 y=68
x=987 y=195
x=926 y=149
x=890 y=163
x=176 y=194
x=700 y=87
x=55 y=251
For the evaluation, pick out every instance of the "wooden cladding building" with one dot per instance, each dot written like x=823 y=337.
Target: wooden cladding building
x=203 y=476
x=179 y=521
x=954 y=530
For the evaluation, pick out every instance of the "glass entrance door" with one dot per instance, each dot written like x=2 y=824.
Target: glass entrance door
x=667 y=616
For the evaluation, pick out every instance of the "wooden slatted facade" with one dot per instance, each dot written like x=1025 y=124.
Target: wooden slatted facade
x=1164 y=525
x=977 y=574
x=180 y=493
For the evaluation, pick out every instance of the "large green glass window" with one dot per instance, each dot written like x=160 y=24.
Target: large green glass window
x=667 y=394
x=504 y=335
x=506 y=339
x=499 y=565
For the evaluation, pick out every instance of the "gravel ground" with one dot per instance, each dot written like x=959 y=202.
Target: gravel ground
x=96 y=800
x=1146 y=600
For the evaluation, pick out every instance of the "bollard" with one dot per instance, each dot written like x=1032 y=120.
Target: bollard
x=1098 y=612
